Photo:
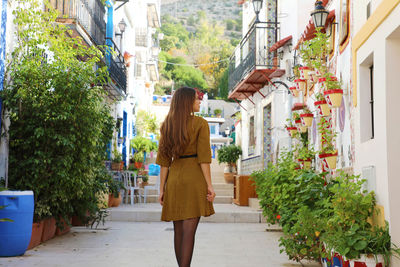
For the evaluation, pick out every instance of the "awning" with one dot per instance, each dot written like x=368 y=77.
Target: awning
x=280 y=43
x=309 y=32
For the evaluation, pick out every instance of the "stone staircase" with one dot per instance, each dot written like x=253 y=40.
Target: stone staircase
x=223 y=190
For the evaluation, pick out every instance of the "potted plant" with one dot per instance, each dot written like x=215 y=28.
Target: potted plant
x=117 y=164
x=333 y=93
x=294 y=91
x=307 y=117
x=229 y=154
x=292 y=129
x=145 y=180
x=301 y=85
x=322 y=105
x=304 y=72
x=138 y=158
x=328 y=153
x=114 y=190
x=217 y=112
x=305 y=156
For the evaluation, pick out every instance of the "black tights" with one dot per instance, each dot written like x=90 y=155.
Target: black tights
x=184 y=235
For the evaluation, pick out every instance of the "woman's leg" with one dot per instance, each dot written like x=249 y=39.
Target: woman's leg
x=187 y=246
x=178 y=234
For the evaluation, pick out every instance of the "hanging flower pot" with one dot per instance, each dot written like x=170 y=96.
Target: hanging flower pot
x=301 y=85
x=323 y=80
x=317 y=74
x=297 y=122
x=368 y=261
x=323 y=108
x=329 y=160
x=298 y=106
x=313 y=76
x=304 y=72
x=305 y=163
x=292 y=130
x=294 y=91
x=334 y=97
x=306 y=119
x=301 y=128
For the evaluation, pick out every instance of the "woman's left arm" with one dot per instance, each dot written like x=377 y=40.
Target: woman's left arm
x=205 y=167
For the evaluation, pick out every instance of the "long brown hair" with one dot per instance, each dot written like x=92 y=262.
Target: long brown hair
x=174 y=130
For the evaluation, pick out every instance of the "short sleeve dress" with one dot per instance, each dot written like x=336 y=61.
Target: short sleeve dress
x=185 y=194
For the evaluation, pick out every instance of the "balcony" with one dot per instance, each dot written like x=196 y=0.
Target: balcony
x=252 y=66
x=84 y=17
x=117 y=69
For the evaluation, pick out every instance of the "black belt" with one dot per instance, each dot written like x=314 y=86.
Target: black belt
x=188 y=156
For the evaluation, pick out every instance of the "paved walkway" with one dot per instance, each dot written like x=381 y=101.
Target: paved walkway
x=150 y=245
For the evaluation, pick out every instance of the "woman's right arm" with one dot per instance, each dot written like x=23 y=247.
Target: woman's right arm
x=163 y=179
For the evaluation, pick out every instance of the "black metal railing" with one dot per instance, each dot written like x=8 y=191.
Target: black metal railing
x=253 y=52
x=116 y=65
x=88 y=13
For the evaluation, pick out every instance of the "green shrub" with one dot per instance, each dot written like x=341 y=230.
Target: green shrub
x=229 y=154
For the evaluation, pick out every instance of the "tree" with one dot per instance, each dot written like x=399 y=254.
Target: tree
x=59 y=122
x=146 y=123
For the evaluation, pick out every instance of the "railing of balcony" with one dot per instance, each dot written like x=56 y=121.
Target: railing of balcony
x=88 y=13
x=253 y=52
x=116 y=65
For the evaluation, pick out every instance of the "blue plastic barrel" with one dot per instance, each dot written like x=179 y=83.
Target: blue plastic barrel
x=16 y=235
x=154 y=169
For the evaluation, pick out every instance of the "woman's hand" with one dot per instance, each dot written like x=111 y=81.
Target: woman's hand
x=161 y=198
x=210 y=194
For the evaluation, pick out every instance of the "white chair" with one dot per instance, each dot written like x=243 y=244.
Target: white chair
x=152 y=187
x=131 y=186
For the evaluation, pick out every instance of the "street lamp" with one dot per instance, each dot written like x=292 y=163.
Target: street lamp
x=319 y=15
x=257 y=5
x=122 y=26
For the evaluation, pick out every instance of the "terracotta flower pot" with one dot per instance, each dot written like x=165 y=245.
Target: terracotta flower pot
x=114 y=201
x=66 y=227
x=329 y=159
x=368 y=261
x=117 y=166
x=138 y=165
x=229 y=177
x=304 y=72
x=301 y=85
x=306 y=119
x=294 y=91
x=323 y=108
x=291 y=130
x=49 y=229
x=37 y=232
x=334 y=97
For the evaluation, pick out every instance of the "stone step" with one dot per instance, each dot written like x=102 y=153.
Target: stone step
x=224 y=213
x=224 y=192
x=254 y=203
x=224 y=186
x=218 y=199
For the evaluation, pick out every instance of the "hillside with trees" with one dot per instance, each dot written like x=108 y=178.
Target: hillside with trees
x=197 y=50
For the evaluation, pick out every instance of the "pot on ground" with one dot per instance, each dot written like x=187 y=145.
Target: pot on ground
x=36 y=237
x=65 y=228
x=117 y=166
x=114 y=201
x=49 y=229
x=368 y=261
x=229 y=173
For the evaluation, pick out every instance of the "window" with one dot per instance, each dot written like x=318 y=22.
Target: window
x=252 y=138
x=212 y=129
x=367 y=121
x=141 y=36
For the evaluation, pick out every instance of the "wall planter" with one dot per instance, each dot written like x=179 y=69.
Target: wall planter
x=368 y=261
x=304 y=73
x=305 y=164
x=297 y=122
x=36 y=237
x=329 y=159
x=15 y=235
x=334 y=97
x=301 y=85
x=302 y=129
x=306 y=119
x=323 y=108
x=117 y=166
x=322 y=81
x=49 y=229
x=294 y=90
x=292 y=130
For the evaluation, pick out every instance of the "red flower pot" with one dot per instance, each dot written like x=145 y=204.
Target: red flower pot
x=323 y=80
x=334 y=97
x=36 y=237
x=329 y=160
x=291 y=130
x=304 y=71
x=306 y=119
x=138 y=165
x=323 y=108
x=49 y=229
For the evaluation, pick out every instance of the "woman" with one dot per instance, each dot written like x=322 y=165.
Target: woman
x=184 y=154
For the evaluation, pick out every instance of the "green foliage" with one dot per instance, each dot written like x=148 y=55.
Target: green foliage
x=328 y=136
x=117 y=156
x=114 y=186
x=146 y=123
x=229 y=154
x=138 y=157
x=217 y=111
x=143 y=144
x=60 y=123
x=223 y=85
x=175 y=35
x=314 y=52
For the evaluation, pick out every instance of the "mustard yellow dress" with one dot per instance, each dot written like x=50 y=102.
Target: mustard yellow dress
x=185 y=194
